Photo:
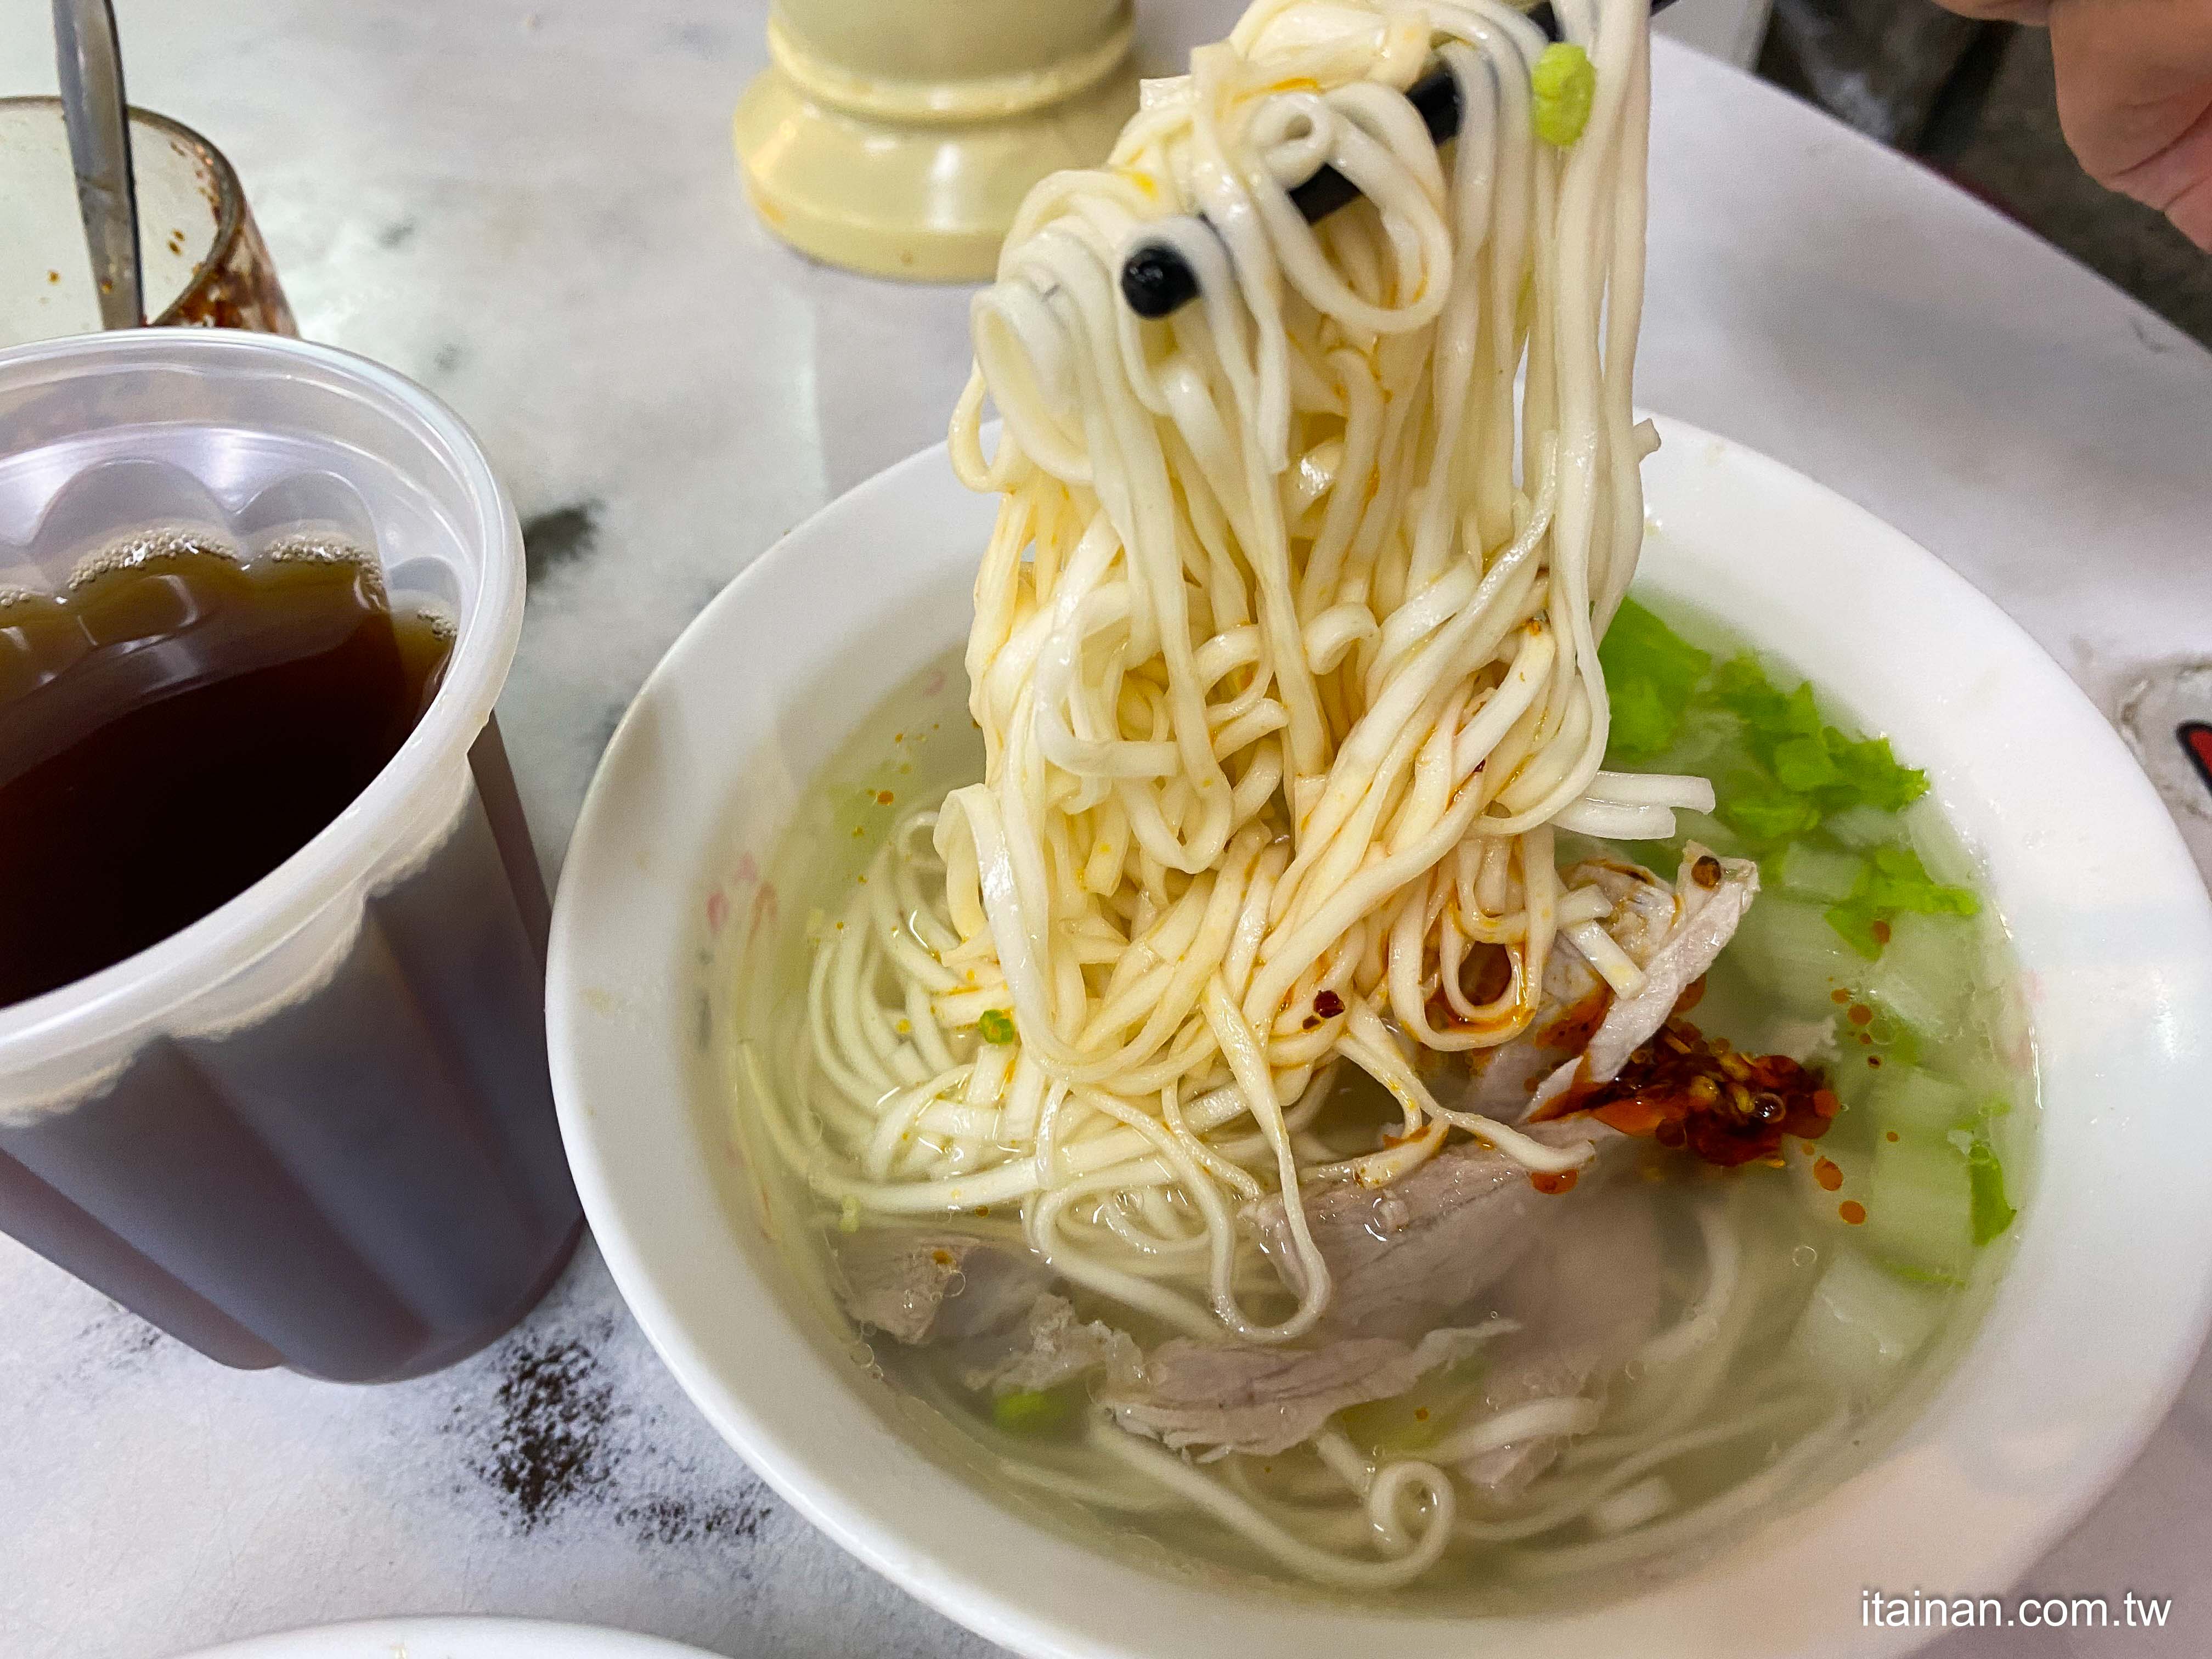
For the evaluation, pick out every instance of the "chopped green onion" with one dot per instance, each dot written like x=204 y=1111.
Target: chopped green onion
x=997 y=1026
x=1564 y=83
x=1033 y=1411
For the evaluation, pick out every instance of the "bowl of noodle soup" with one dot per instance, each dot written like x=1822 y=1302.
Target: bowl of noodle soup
x=1244 y=1048
x=2075 y=1357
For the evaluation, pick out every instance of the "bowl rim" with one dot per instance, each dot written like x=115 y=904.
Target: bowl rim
x=2167 y=1349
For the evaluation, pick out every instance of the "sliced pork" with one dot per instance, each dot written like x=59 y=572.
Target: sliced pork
x=994 y=1310
x=1405 y=1256
x=1583 y=1299
x=1673 y=934
x=920 y=1287
x=1224 y=1397
x=1711 y=897
x=1048 y=1347
x=1402 y=1258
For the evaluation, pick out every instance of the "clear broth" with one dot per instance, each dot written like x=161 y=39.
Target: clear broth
x=1794 y=1219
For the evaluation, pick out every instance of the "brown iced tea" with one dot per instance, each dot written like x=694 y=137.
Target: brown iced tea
x=174 y=728
x=365 y=1181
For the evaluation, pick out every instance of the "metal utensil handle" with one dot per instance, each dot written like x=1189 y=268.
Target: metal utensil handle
x=1156 y=280
x=98 y=120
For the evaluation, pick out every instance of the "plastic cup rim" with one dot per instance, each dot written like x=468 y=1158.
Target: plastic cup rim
x=348 y=849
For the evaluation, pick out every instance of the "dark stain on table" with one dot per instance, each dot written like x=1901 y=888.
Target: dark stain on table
x=666 y=1520
x=124 y=1342
x=560 y=537
x=561 y=1442
x=553 y=1412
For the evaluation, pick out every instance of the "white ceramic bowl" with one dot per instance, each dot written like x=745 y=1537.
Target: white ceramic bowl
x=2088 y=1339
x=456 y=1637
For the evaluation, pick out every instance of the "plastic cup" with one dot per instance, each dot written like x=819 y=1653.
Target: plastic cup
x=313 y=1128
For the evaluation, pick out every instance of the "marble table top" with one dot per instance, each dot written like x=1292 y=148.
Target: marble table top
x=530 y=205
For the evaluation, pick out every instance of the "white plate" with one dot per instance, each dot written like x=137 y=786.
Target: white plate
x=2089 y=1335
x=451 y=1639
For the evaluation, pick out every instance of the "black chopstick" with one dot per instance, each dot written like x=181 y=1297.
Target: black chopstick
x=1156 y=280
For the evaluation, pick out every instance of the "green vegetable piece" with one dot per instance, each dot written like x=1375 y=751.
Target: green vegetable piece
x=1856 y=922
x=997 y=1026
x=1650 y=674
x=1894 y=1037
x=1863 y=829
x=1033 y=1411
x=1838 y=773
x=1905 y=883
x=1743 y=688
x=1862 y=1323
x=1565 y=84
x=1800 y=715
x=1985 y=1178
x=1873 y=775
x=1804 y=764
x=1927 y=971
x=1642 y=723
x=1709 y=740
x=1817 y=872
x=1792 y=955
x=1912 y=1275
x=1920 y=1206
x=1779 y=770
x=1769 y=814
x=1892 y=882
x=1914 y=1101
